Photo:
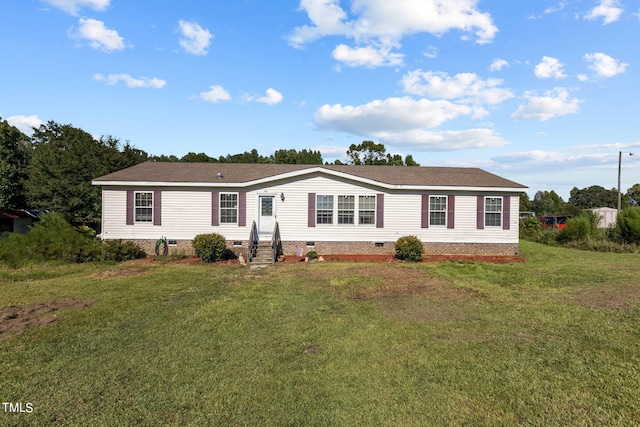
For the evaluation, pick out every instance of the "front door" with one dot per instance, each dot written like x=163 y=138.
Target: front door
x=266 y=215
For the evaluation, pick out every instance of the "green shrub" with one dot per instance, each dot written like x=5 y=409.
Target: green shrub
x=628 y=225
x=209 y=247
x=312 y=254
x=54 y=239
x=409 y=248
x=578 y=228
x=119 y=250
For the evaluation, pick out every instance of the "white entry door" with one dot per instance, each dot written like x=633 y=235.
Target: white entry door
x=266 y=215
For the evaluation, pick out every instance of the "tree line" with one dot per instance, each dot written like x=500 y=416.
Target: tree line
x=52 y=170
x=595 y=196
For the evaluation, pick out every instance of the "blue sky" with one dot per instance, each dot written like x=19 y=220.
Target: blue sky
x=541 y=92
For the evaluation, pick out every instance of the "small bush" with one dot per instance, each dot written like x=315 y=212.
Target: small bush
x=209 y=247
x=409 y=248
x=578 y=228
x=312 y=254
x=119 y=250
x=628 y=225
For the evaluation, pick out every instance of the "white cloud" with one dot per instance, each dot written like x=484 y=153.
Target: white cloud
x=72 y=7
x=549 y=68
x=614 y=146
x=498 y=64
x=604 y=65
x=406 y=122
x=215 y=94
x=195 y=39
x=553 y=103
x=466 y=87
x=380 y=23
x=545 y=161
x=431 y=52
x=609 y=10
x=554 y=9
x=428 y=140
x=25 y=123
x=271 y=98
x=395 y=114
x=112 y=79
x=99 y=36
x=369 y=56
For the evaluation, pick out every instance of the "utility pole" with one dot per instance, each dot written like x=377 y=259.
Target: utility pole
x=620 y=153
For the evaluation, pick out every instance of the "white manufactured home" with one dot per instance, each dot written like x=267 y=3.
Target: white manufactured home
x=330 y=209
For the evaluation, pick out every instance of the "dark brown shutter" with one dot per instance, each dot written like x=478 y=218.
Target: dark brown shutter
x=242 y=209
x=424 y=218
x=506 y=212
x=379 y=210
x=215 y=208
x=451 y=211
x=130 y=202
x=157 y=207
x=480 y=213
x=311 y=210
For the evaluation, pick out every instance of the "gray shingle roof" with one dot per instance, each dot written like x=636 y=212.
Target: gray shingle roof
x=179 y=172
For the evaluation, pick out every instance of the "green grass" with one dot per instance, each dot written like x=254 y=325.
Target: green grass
x=552 y=341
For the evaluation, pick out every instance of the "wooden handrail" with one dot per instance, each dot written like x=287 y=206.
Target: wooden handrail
x=276 y=243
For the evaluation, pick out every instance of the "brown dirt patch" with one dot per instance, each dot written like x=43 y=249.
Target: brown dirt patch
x=15 y=319
x=121 y=272
x=607 y=297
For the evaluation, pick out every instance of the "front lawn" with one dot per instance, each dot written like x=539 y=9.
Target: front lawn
x=551 y=341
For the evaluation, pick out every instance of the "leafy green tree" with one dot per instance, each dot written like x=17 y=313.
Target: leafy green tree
x=633 y=195
x=367 y=153
x=548 y=203
x=199 y=157
x=408 y=161
x=292 y=156
x=525 y=203
x=247 y=157
x=370 y=153
x=594 y=197
x=14 y=157
x=65 y=159
x=628 y=225
x=164 y=158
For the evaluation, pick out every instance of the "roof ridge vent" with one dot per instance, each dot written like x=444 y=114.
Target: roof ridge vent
x=219 y=175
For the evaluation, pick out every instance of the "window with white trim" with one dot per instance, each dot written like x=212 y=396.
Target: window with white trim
x=229 y=208
x=346 y=209
x=493 y=211
x=324 y=209
x=366 y=209
x=438 y=210
x=144 y=207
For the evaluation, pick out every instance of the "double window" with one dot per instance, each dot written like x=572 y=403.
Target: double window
x=229 y=208
x=438 y=210
x=345 y=210
x=143 y=207
x=493 y=211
